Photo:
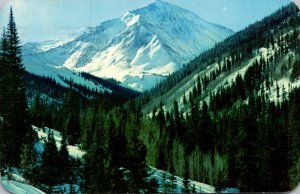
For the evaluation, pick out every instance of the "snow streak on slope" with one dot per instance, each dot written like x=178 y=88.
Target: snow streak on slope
x=137 y=49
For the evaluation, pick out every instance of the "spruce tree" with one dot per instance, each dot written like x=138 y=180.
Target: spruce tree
x=294 y=139
x=29 y=164
x=186 y=182
x=178 y=127
x=64 y=163
x=137 y=152
x=50 y=158
x=37 y=112
x=72 y=116
x=161 y=118
x=13 y=105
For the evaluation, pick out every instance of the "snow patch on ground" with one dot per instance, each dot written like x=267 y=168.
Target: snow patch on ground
x=199 y=187
x=20 y=188
x=74 y=151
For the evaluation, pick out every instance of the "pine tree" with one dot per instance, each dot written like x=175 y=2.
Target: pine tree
x=29 y=164
x=50 y=158
x=186 y=182
x=178 y=126
x=172 y=178
x=64 y=163
x=199 y=86
x=296 y=71
x=97 y=161
x=13 y=105
x=294 y=139
x=206 y=130
x=37 y=112
x=184 y=101
x=137 y=152
x=161 y=118
x=72 y=116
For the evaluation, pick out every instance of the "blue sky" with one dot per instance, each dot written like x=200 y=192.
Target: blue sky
x=40 y=20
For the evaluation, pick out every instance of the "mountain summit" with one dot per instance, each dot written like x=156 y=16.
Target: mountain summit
x=138 y=49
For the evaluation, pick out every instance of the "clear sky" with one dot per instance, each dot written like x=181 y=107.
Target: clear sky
x=39 y=20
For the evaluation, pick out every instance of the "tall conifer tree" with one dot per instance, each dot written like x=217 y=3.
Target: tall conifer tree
x=13 y=104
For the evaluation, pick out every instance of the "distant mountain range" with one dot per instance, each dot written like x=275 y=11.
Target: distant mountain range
x=138 y=49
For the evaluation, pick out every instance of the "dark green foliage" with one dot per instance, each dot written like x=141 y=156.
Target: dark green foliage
x=13 y=105
x=296 y=71
x=294 y=139
x=37 y=112
x=116 y=159
x=50 y=174
x=186 y=182
x=152 y=186
x=161 y=119
x=239 y=133
x=29 y=165
x=64 y=163
x=120 y=92
x=71 y=115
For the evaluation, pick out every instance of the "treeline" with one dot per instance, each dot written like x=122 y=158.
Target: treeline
x=52 y=91
x=123 y=92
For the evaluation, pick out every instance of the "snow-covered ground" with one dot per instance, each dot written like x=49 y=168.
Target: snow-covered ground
x=15 y=187
x=74 y=151
x=199 y=187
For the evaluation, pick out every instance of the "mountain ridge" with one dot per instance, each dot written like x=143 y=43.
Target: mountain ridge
x=139 y=48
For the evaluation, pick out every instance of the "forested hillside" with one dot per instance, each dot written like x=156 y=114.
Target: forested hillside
x=230 y=113
x=240 y=46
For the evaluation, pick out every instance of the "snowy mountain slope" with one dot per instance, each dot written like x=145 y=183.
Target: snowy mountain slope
x=60 y=74
x=137 y=49
x=278 y=91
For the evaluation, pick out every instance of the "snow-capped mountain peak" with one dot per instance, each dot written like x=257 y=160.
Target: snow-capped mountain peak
x=138 y=49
